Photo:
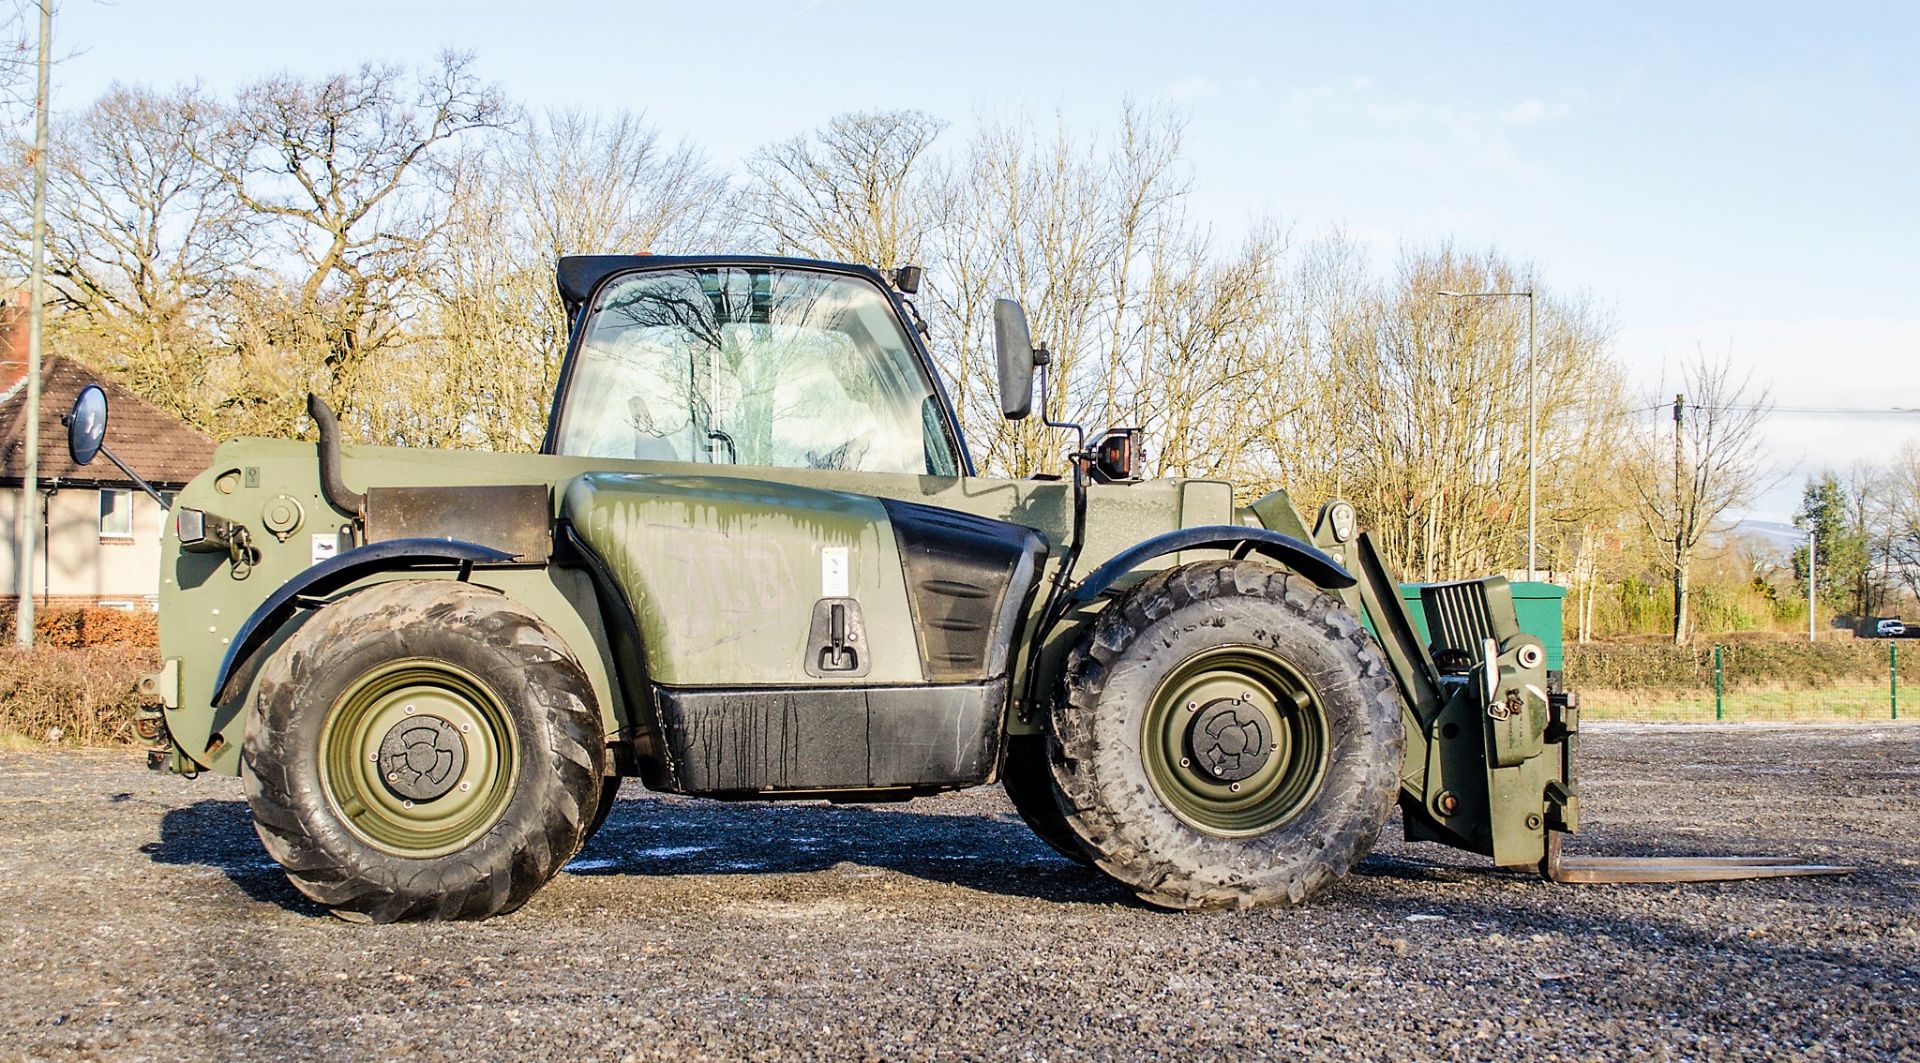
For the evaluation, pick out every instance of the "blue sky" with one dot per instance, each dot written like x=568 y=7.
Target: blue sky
x=1735 y=176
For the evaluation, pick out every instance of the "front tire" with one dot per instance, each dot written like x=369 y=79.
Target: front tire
x=609 y=793
x=422 y=750
x=1228 y=736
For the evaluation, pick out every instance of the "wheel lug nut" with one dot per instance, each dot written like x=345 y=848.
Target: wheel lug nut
x=374 y=756
x=393 y=776
x=1246 y=695
x=465 y=786
x=1235 y=788
x=408 y=710
x=1193 y=706
x=465 y=727
x=1186 y=763
x=406 y=804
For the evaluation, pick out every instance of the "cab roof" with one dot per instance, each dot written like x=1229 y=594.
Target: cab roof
x=579 y=275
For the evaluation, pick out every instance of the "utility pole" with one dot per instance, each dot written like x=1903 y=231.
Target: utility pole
x=1679 y=526
x=36 y=321
x=1533 y=429
x=1813 y=575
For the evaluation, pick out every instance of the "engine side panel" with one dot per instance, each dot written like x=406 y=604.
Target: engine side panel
x=723 y=575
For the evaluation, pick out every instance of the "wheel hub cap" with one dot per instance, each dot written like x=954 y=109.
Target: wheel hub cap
x=1229 y=740
x=1234 y=740
x=421 y=758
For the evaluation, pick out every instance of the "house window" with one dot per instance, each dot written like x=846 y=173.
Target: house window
x=116 y=514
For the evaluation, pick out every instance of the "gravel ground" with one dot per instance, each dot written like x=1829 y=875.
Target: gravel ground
x=139 y=918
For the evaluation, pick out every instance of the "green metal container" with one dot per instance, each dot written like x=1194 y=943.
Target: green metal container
x=1538 y=605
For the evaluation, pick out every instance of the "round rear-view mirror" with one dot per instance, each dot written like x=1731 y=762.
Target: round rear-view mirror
x=87 y=424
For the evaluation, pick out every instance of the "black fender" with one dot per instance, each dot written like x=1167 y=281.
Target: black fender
x=1300 y=556
x=332 y=575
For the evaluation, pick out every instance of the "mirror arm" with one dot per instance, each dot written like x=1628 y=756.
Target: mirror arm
x=1044 y=359
x=138 y=480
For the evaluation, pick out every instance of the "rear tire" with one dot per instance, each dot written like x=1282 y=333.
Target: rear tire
x=422 y=750
x=1029 y=785
x=1228 y=737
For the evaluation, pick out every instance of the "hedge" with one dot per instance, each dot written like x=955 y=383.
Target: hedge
x=75 y=626
x=1746 y=662
x=73 y=697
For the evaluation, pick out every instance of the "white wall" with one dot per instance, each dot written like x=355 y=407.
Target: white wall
x=73 y=560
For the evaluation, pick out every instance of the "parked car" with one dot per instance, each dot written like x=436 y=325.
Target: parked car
x=1890 y=628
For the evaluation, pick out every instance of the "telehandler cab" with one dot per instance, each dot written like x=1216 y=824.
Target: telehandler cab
x=753 y=560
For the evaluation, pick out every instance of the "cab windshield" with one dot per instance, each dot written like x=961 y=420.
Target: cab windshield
x=752 y=366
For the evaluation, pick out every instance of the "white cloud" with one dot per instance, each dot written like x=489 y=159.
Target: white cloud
x=1197 y=87
x=1375 y=127
x=1328 y=98
x=1532 y=112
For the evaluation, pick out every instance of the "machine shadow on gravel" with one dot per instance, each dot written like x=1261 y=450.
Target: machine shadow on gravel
x=220 y=834
x=989 y=853
x=652 y=837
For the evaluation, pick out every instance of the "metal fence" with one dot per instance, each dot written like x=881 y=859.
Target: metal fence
x=1838 y=700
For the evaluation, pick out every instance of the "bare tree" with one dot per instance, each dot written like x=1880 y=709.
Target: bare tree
x=143 y=245
x=1087 y=232
x=1898 y=497
x=1684 y=483
x=848 y=191
x=349 y=171
x=17 y=58
x=1213 y=367
x=1416 y=414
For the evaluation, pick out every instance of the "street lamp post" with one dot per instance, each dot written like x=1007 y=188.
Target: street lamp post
x=36 y=319
x=1813 y=576
x=1533 y=359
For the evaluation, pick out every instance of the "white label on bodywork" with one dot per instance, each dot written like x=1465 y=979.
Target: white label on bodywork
x=833 y=572
x=325 y=545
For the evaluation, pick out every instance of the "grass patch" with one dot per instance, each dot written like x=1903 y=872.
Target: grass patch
x=1838 y=702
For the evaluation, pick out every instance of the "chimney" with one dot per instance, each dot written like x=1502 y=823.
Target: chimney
x=13 y=340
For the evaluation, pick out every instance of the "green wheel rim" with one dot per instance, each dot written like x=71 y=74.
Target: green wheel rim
x=471 y=781
x=1242 y=689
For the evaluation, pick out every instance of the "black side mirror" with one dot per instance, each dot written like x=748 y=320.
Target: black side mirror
x=87 y=437
x=87 y=424
x=1014 y=346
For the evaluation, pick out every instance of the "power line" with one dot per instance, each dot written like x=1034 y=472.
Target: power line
x=1816 y=411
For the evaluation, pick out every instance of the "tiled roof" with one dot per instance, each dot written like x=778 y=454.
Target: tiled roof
x=154 y=443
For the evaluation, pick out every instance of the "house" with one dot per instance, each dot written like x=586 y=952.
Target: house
x=98 y=536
